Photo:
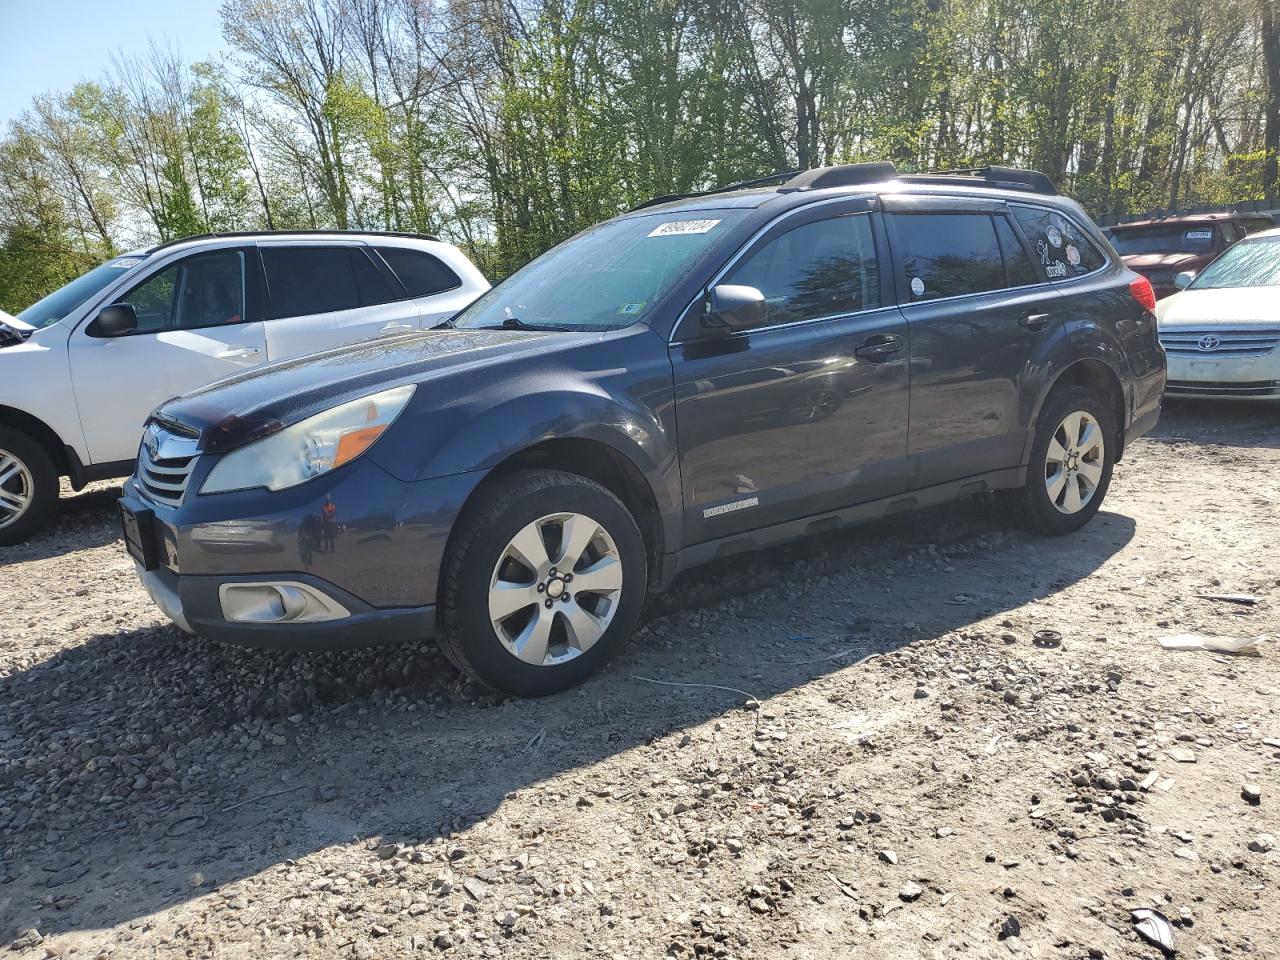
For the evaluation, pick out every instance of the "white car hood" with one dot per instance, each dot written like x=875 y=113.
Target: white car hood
x=1237 y=306
x=12 y=321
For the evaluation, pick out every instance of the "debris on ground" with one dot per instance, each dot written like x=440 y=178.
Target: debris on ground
x=1155 y=928
x=1244 y=599
x=1196 y=641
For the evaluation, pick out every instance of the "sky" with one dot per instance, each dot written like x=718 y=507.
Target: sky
x=51 y=45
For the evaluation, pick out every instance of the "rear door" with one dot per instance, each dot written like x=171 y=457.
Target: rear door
x=976 y=306
x=199 y=319
x=325 y=294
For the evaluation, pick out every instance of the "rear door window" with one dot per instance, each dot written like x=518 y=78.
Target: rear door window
x=1019 y=269
x=1060 y=245
x=306 y=280
x=949 y=254
x=420 y=272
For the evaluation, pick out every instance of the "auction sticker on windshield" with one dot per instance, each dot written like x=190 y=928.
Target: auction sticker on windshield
x=681 y=228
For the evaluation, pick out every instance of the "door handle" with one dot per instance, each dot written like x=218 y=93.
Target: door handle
x=396 y=327
x=238 y=353
x=1035 y=321
x=878 y=349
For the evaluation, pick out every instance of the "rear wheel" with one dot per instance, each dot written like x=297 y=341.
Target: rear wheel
x=543 y=582
x=1071 y=462
x=28 y=486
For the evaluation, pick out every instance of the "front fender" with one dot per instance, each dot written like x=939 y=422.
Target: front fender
x=617 y=392
x=35 y=382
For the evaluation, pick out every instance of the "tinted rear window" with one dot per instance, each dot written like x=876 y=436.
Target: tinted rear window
x=420 y=272
x=1060 y=244
x=311 y=279
x=950 y=254
x=1177 y=238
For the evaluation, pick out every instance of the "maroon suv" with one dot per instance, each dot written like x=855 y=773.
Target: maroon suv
x=1160 y=249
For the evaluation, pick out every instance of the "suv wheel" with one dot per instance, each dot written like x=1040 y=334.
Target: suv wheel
x=28 y=486
x=543 y=583
x=1071 y=462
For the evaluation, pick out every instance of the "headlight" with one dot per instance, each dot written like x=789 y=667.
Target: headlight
x=309 y=448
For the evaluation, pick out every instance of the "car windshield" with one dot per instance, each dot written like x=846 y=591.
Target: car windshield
x=605 y=278
x=62 y=301
x=1250 y=263
x=1171 y=238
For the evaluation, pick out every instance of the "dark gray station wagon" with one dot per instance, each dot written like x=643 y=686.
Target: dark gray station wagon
x=701 y=376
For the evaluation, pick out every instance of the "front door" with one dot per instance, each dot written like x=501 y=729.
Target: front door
x=976 y=308
x=808 y=412
x=198 y=321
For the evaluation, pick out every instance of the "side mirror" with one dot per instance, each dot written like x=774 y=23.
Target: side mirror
x=735 y=307
x=1183 y=279
x=116 y=320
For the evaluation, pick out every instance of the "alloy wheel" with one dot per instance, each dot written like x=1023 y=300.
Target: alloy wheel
x=16 y=488
x=1074 y=463
x=555 y=589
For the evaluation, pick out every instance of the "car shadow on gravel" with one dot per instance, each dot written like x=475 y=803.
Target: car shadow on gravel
x=144 y=769
x=85 y=519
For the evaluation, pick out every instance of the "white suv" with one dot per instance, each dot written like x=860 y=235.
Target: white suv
x=82 y=369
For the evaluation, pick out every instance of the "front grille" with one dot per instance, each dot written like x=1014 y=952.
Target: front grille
x=1236 y=342
x=165 y=462
x=1224 y=388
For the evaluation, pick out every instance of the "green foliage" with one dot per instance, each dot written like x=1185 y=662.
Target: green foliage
x=507 y=127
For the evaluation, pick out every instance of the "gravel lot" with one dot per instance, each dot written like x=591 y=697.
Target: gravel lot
x=911 y=775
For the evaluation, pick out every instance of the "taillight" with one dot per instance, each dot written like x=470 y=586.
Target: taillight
x=1140 y=290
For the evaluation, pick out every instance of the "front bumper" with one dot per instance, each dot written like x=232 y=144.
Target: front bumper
x=193 y=604
x=1231 y=378
x=367 y=544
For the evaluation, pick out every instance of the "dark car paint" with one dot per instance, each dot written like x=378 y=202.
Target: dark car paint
x=823 y=434
x=1161 y=268
x=381 y=524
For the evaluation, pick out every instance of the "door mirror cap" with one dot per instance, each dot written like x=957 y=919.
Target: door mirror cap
x=732 y=307
x=116 y=320
x=1183 y=279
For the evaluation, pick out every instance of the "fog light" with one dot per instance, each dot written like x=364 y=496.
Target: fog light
x=284 y=602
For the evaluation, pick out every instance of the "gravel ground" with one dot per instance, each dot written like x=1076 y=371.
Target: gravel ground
x=848 y=746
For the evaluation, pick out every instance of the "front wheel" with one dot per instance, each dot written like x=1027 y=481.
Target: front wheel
x=544 y=580
x=1071 y=462
x=28 y=486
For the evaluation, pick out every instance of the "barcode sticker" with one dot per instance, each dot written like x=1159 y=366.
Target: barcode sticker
x=681 y=228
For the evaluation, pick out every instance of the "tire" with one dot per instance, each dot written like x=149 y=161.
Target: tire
x=1046 y=502
x=27 y=474
x=504 y=617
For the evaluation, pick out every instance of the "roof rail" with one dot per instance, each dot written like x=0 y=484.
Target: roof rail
x=1007 y=178
x=260 y=233
x=853 y=174
x=736 y=185
x=845 y=175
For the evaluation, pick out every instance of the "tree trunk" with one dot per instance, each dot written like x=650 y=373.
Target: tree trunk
x=1271 y=125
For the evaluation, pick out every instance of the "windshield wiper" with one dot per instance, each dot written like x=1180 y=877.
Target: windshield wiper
x=510 y=323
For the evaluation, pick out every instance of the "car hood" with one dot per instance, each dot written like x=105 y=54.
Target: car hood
x=247 y=406
x=1160 y=261
x=12 y=330
x=1205 y=308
